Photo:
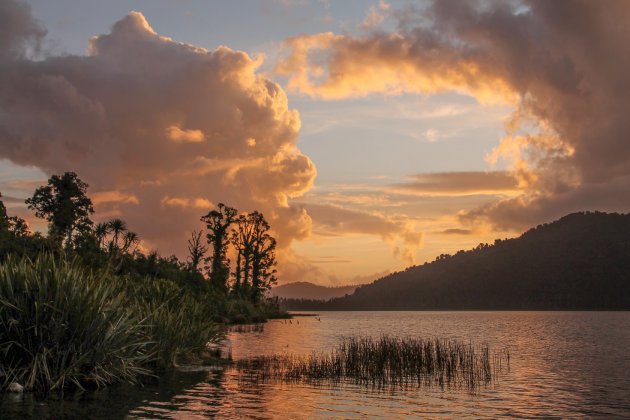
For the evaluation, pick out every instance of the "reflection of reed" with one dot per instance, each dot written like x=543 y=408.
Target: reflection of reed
x=246 y=328
x=387 y=362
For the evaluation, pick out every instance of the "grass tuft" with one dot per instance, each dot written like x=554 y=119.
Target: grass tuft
x=63 y=326
x=386 y=362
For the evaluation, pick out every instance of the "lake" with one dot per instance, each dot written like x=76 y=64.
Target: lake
x=562 y=364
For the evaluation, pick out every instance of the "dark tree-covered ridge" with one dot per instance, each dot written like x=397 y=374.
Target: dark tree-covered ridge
x=580 y=262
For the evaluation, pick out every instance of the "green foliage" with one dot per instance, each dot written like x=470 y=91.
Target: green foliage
x=61 y=325
x=83 y=307
x=180 y=325
x=240 y=311
x=64 y=326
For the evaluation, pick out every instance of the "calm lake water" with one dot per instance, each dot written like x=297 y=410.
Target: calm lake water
x=563 y=364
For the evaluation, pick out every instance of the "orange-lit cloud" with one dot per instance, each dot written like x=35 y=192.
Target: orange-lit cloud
x=182 y=136
x=399 y=233
x=103 y=197
x=333 y=66
x=160 y=130
x=563 y=65
x=459 y=184
x=198 y=203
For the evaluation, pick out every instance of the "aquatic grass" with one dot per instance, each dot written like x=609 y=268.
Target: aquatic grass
x=386 y=362
x=61 y=326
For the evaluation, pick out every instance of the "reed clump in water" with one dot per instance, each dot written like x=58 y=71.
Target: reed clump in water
x=387 y=362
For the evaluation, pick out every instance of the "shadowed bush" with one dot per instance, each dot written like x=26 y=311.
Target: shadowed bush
x=387 y=362
x=178 y=323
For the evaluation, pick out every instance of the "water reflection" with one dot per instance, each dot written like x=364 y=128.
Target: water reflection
x=563 y=364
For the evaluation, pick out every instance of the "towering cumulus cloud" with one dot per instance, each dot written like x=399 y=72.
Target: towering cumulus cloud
x=162 y=131
x=564 y=66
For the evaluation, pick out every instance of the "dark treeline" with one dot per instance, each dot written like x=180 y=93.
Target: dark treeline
x=83 y=306
x=580 y=262
x=111 y=245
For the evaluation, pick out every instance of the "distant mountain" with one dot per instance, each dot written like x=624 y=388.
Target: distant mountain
x=580 y=262
x=306 y=290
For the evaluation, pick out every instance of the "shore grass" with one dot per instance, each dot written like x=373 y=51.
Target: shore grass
x=387 y=362
x=63 y=326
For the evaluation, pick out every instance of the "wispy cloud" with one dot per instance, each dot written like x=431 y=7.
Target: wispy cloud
x=398 y=232
x=459 y=184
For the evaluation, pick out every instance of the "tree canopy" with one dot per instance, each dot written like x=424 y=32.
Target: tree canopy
x=218 y=223
x=249 y=235
x=64 y=203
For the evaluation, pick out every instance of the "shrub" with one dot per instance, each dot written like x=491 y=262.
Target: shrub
x=179 y=323
x=62 y=325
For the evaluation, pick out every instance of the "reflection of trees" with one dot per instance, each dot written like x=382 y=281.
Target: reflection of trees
x=114 y=402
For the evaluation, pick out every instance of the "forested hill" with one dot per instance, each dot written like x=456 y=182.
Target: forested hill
x=303 y=289
x=581 y=261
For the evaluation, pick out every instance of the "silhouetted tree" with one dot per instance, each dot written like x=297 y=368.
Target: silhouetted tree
x=15 y=237
x=243 y=240
x=13 y=225
x=263 y=258
x=64 y=204
x=218 y=222
x=255 y=247
x=4 y=219
x=122 y=244
x=196 y=250
x=118 y=228
x=130 y=241
x=101 y=230
x=18 y=227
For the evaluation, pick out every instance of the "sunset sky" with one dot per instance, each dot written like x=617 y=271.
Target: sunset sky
x=372 y=135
